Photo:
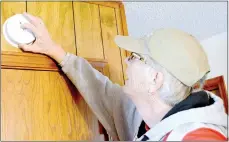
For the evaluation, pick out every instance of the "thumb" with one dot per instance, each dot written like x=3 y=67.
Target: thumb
x=24 y=47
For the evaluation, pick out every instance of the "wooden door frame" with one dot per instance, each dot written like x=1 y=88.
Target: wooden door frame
x=217 y=83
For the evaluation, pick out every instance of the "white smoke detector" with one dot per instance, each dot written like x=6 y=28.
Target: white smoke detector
x=13 y=32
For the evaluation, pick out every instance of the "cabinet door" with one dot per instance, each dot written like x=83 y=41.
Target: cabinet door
x=43 y=105
x=40 y=103
x=9 y=9
x=58 y=18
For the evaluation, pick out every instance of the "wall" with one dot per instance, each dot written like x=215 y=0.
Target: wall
x=216 y=49
x=207 y=21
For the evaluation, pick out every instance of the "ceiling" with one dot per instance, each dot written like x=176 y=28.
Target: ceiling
x=201 y=19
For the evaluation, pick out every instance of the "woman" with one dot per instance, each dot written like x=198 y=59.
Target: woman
x=156 y=102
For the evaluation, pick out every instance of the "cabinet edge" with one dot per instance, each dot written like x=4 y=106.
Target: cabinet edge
x=30 y=61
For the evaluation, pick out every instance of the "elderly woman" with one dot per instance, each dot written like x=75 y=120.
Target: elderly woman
x=158 y=101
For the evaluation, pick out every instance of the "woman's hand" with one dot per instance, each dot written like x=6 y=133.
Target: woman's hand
x=43 y=43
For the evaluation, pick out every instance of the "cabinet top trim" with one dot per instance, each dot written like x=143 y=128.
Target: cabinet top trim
x=21 y=60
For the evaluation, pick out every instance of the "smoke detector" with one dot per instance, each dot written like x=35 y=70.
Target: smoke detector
x=13 y=32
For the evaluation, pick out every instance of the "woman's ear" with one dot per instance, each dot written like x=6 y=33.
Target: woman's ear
x=159 y=79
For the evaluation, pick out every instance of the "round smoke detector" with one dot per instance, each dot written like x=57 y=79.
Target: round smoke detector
x=13 y=32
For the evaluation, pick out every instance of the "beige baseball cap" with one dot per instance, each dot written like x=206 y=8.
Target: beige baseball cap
x=177 y=51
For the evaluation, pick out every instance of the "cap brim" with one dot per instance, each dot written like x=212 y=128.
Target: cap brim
x=130 y=44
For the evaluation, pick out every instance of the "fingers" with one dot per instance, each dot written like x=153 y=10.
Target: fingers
x=32 y=19
x=31 y=28
x=25 y=47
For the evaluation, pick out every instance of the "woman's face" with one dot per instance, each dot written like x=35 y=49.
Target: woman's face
x=141 y=86
x=140 y=77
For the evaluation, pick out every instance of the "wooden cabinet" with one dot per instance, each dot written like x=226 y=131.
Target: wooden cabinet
x=38 y=101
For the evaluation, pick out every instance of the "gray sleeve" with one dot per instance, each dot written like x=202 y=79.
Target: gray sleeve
x=97 y=90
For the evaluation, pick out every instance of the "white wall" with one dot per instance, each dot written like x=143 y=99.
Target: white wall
x=216 y=49
x=207 y=21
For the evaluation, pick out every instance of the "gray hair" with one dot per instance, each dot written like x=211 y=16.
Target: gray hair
x=173 y=90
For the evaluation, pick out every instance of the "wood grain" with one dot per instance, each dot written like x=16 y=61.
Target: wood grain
x=120 y=32
x=41 y=105
x=112 y=52
x=58 y=18
x=14 y=60
x=88 y=30
x=114 y=4
x=124 y=23
x=9 y=9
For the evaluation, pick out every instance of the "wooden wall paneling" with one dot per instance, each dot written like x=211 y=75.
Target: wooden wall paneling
x=111 y=4
x=88 y=30
x=123 y=18
x=84 y=113
x=124 y=23
x=9 y=9
x=111 y=51
x=41 y=105
x=32 y=78
x=90 y=125
x=58 y=18
x=120 y=32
